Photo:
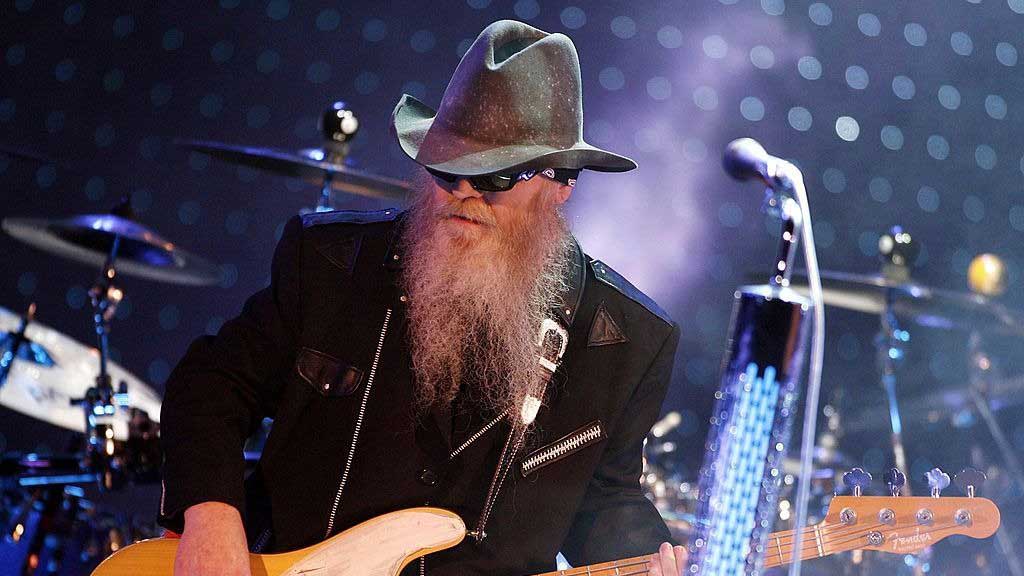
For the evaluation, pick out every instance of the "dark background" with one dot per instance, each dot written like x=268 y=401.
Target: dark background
x=934 y=88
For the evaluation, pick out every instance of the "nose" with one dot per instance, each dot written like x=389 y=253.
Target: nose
x=463 y=190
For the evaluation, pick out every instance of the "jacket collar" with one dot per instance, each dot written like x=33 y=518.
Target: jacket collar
x=570 y=299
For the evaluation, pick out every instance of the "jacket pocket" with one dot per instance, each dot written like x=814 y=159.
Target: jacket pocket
x=565 y=446
x=329 y=376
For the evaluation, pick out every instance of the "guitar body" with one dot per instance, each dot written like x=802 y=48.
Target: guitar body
x=381 y=546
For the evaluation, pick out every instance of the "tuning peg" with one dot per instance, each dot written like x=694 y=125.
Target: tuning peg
x=895 y=480
x=856 y=480
x=937 y=481
x=968 y=480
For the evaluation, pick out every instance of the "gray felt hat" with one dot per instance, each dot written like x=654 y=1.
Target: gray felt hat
x=514 y=101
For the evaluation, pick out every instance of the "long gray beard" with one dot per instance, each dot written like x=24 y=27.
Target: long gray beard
x=475 y=311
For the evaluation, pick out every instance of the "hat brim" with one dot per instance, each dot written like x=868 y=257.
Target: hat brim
x=413 y=121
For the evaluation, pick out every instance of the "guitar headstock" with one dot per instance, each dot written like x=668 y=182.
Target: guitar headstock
x=904 y=524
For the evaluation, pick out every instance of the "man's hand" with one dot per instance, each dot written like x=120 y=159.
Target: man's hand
x=213 y=542
x=669 y=561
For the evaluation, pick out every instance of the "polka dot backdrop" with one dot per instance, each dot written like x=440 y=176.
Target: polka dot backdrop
x=908 y=116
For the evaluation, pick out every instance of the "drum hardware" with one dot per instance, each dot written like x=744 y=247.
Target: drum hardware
x=328 y=167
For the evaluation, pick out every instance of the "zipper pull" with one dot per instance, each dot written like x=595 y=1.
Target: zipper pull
x=477 y=535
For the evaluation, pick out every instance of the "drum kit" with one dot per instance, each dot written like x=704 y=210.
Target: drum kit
x=49 y=525
x=974 y=319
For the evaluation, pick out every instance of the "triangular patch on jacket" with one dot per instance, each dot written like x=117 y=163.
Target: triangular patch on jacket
x=604 y=330
x=341 y=253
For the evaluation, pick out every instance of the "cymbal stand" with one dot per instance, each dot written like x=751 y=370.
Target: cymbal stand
x=890 y=344
x=980 y=372
x=99 y=402
x=339 y=125
x=16 y=339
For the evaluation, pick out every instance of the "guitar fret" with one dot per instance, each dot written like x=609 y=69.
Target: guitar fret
x=817 y=540
x=778 y=544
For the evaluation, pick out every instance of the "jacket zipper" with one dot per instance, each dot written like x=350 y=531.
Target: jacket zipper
x=562 y=448
x=476 y=436
x=359 y=423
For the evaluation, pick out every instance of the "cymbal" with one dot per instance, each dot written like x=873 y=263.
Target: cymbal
x=313 y=165
x=141 y=252
x=926 y=306
x=60 y=371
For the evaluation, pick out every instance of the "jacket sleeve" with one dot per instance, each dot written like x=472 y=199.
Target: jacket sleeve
x=615 y=519
x=223 y=387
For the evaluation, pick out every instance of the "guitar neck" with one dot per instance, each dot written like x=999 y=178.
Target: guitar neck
x=779 y=551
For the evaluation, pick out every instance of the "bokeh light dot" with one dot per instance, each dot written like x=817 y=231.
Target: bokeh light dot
x=824 y=234
x=422 y=41
x=104 y=135
x=318 y=72
x=75 y=297
x=856 y=77
x=762 y=57
x=847 y=128
x=189 y=212
x=228 y=276
x=659 y=88
x=1017 y=217
x=670 y=37
x=65 y=70
x=211 y=105
x=113 y=80
x=8 y=108
x=773 y=7
x=1006 y=54
x=27 y=283
x=949 y=97
x=158 y=371
x=809 y=67
x=463 y=47
x=624 y=27
x=834 y=180
x=15 y=54
x=892 y=137
x=715 y=46
x=573 y=17
x=328 y=20
x=695 y=150
x=938 y=147
x=867 y=243
x=599 y=131
x=752 y=108
x=236 y=222
x=961 y=43
x=142 y=200
x=880 y=189
x=124 y=25
x=268 y=61
x=730 y=215
x=903 y=87
x=74 y=13
x=705 y=98
x=95 y=188
x=915 y=34
x=820 y=14
x=985 y=157
x=278 y=10
x=55 y=121
x=1016 y=5
x=799 y=118
x=46 y=176
x=995 y=106
x=611 y=78
x=974 y=208
x=869 y=25
x=257 y=116
x=928 y=199
x=375 y=30
x=222 y=51
x=526 y=9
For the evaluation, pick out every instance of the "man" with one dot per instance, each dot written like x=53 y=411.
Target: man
x=396 y=353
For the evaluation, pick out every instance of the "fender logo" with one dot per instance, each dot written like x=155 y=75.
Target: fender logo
x=907 y=542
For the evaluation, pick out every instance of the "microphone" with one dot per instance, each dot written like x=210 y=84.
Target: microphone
x=746 y=159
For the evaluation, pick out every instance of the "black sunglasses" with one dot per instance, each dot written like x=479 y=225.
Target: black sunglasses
x=503 y=181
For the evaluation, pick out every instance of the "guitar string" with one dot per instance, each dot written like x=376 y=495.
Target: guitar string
x=811 y=547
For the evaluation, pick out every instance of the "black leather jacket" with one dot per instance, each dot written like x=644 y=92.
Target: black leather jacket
x=323 y=351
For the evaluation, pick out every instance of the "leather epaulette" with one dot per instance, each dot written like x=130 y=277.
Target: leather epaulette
x=605 y=274
x=349 y=217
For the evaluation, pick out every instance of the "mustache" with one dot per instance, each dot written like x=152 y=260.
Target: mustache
x=471 y=209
